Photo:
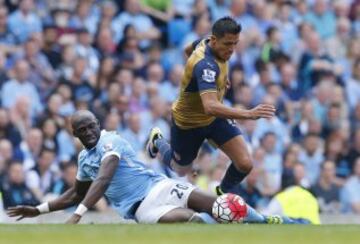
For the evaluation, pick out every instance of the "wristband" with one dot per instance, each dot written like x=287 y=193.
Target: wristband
x=43 y=208
x=81 y=209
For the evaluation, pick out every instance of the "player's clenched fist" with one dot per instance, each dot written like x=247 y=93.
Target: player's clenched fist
x=22 y=212
x=262 y=111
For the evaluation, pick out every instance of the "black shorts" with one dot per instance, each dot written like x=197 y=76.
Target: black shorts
x=185 y=144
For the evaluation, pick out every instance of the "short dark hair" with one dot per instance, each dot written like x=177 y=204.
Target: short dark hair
x=224 y=26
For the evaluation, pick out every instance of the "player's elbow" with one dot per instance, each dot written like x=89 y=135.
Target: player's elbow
x=210 y=108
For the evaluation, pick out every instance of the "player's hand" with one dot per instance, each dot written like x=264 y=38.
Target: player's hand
x=266 y=111
x=22 y=212
x=74 y=219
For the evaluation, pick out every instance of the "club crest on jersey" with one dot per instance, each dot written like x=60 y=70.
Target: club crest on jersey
x=107 y=147
x=209 y=75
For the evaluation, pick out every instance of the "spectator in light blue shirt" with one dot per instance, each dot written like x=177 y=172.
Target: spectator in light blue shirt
x=23 y=21
x=312 y=157
x=202 y=27
x=83 y=18
x=7 y=38
x=272 y=163
x=219 y=8
x=21 y=87
x=155 y=117
x=142 y=23
x=323 y=20
x=353 y=86
x=169 y=90
x=274 y=125
x=350 y=194
x=133 y=133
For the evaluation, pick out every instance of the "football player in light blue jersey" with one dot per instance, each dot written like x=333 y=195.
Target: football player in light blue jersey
x=108 y=166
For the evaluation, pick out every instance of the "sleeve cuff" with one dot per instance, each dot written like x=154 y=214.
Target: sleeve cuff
x=109 y=154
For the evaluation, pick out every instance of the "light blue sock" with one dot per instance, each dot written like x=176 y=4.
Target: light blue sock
x=164 y=150
x=253 y=216
x=207 y=218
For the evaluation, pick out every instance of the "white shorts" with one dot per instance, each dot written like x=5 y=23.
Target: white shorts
x=165 y=196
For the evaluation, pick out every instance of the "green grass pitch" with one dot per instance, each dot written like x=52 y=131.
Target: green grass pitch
x=179 y=233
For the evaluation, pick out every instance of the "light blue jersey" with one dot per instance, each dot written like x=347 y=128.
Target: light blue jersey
x=132 y=180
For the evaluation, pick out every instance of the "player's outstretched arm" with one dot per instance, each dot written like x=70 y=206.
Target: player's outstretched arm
x=69 y=198
x=97 y=188
x=212 y=106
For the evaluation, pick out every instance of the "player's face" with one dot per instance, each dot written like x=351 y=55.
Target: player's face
x=88 y=132
x=225 y=46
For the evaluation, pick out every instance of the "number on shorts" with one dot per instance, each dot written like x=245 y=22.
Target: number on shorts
x=182 y=187
x=178 y=191
x=178 y=194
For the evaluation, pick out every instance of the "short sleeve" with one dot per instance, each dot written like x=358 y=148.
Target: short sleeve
x=81 y=174
x=206 y=73
x=110 y=146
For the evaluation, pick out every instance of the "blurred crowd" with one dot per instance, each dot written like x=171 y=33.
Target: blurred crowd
x=124 y=61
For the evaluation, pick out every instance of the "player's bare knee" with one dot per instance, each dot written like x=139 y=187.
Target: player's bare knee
x=244 y=165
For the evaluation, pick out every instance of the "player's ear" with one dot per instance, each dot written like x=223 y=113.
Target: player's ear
x=212 y=38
